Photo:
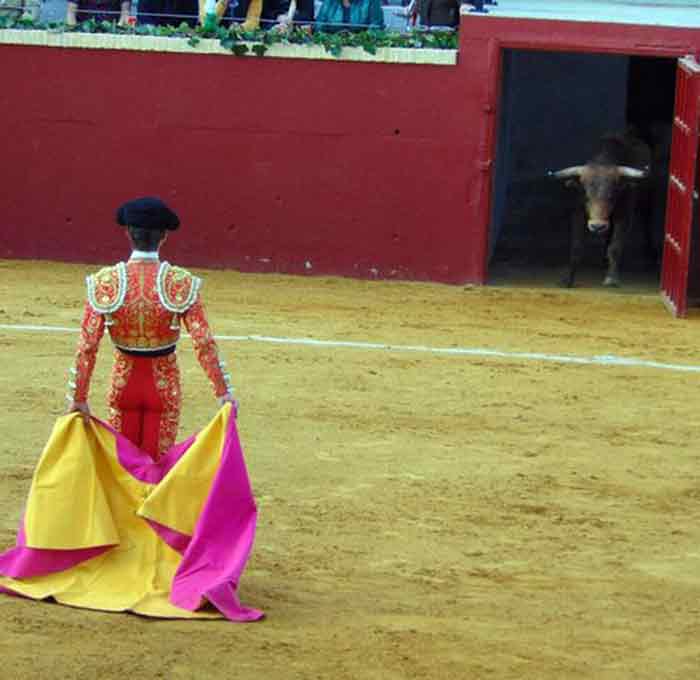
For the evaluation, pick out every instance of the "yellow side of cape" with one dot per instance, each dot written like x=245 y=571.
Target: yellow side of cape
x=81 y=497
x=178 y=500
x=68 y=505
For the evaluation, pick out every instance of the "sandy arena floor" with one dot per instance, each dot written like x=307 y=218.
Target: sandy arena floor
x=422 y=516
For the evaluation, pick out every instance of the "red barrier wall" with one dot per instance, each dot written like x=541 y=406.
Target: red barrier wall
x=360 y=169
x=289 y=165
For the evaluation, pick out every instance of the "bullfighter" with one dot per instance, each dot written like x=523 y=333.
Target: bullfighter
x=143 y=303
x=118 y=518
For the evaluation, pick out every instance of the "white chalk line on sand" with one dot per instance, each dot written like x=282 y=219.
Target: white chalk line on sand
x=595 y=360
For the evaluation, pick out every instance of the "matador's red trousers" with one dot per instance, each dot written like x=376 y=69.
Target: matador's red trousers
x=145 y=399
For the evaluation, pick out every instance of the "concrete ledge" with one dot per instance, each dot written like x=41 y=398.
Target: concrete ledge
x=671 y=13
x=107 y=41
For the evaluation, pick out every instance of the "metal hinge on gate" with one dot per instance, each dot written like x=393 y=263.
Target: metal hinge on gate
x=674 y=180
x=682 y=125
x=674 y=243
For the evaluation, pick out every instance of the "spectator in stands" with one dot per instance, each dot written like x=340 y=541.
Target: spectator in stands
x=278 y=14
x=20 y=9
x=98 y=10
x=410 y=11
x=168 y=12
x=246 y=13
x=282 y=14
x=434 y=13
x=350 y=15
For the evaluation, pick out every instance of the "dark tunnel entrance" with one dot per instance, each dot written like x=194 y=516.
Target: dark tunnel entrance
x=555 y=107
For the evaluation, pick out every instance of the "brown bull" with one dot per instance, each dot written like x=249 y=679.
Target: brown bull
x=609 y=187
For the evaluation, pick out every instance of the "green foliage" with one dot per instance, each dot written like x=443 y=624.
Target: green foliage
x=333 y=42
x=26 y=22
x=89 y=26
x=240 y=42
x=143 y=29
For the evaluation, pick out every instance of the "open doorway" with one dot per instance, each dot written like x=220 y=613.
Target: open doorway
x=555 y=107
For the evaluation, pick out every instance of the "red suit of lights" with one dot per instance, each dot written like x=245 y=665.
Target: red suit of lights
x=142 y=304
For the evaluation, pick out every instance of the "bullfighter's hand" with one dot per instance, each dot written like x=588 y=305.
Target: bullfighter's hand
x=82 y=408
x=228 y=399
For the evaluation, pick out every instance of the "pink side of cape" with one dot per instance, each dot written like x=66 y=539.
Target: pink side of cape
x=23 y=562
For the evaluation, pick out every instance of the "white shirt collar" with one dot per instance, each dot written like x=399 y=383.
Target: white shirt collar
x=144 y=255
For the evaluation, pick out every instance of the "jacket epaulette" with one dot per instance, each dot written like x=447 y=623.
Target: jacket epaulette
x=106 y=289
x=177 y=288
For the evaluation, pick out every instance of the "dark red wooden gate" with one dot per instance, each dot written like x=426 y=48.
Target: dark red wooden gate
x=682 y=188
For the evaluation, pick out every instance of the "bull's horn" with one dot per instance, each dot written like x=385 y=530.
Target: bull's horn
x=573 y=171
x=626 y=171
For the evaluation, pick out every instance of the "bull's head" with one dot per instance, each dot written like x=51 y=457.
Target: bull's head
x=601 y=184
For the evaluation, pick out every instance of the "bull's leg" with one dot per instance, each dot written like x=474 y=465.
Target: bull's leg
x=615 y=248
x=644 y=220
x=624 y=218
x=578 y=235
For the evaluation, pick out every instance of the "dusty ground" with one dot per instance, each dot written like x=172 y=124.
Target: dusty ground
x=422 y=516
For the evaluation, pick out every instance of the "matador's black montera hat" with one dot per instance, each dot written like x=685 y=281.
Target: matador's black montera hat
x=147 y=213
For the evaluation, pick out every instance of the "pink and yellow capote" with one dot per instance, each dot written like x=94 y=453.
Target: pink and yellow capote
x=108 y=527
